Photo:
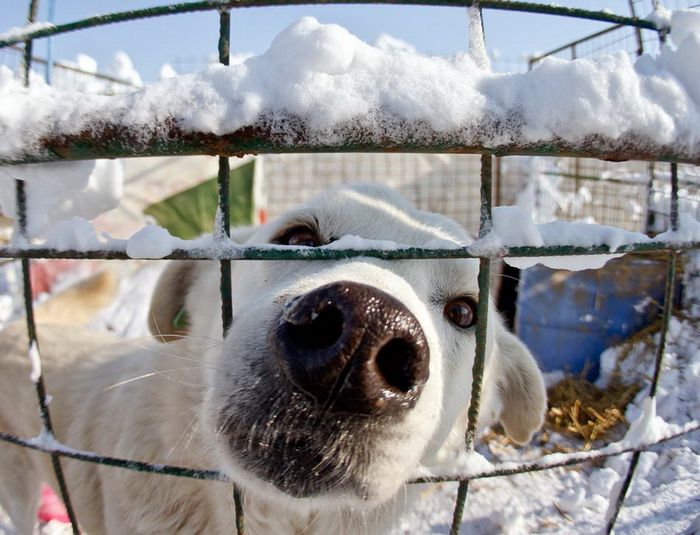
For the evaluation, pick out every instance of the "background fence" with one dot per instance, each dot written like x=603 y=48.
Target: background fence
x=665 y=183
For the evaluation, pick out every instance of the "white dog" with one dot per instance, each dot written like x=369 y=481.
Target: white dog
x=337 y=380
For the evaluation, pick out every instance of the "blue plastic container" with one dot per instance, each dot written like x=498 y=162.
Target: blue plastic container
x=568 y=318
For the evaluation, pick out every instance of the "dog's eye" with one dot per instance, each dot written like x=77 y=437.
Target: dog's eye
x=301 y=235
x=461 y=312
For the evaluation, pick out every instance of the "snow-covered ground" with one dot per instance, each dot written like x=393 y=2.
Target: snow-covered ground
x=665 y=494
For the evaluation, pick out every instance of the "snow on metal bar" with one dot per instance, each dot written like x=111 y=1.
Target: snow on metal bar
x=38 y=31
x=553 y=460
x=111 y=140
x=238 y=252
x=48 y=444
x=314 y=90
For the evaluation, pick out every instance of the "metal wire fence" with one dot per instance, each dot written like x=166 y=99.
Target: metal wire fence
x=630 y=195
x=66 y=75
x=265 y=142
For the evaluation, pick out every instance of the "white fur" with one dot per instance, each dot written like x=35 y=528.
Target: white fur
x=160 y=402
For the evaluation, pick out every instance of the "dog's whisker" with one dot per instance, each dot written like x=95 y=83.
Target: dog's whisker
x=187 y=436
x=127 y=381
x=201 y=362
x=153 y=373
x=160 y=334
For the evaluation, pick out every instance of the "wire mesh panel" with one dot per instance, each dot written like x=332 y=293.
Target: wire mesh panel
x=415 y=171
x=446 y=184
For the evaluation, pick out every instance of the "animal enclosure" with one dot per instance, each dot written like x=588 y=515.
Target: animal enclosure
x=662 y=187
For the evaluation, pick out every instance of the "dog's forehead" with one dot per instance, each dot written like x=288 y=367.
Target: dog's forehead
x=376 y=212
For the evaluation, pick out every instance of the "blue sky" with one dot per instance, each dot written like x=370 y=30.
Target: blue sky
x=183 y=38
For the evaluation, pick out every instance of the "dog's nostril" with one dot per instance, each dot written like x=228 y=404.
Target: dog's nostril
x=395 y=364
x=322 y=329
x=353 y=349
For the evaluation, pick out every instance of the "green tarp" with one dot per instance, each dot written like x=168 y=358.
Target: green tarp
x=191 y=212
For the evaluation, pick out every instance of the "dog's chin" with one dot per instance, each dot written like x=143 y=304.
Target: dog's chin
x=285 y=440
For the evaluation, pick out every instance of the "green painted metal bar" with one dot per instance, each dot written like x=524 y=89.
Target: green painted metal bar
x=486 y=195
x=513 y=468
x=660 y=349
x=189 y=7
x=21 y=228
x=222 y=232
x=28 y=44
x=610 y=524
x=460 y=502
x=128 y=464
x=485 y=224
x=658 y=366
x=674 y=196
x=638 y=31
x=237 y=252
x=508 y=469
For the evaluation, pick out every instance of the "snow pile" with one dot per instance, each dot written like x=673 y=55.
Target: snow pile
x=35 y=359
x=688 y=230
x=76 y=233
x=513 y=227
x=356 y=242
x=151 y=241
x=390 y=43
x=330 y=79
x=61 y=190
x=167 y=71
x=123 y=69
x=648 y=427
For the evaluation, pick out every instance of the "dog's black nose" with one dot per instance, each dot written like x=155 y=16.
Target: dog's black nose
x=353 y=348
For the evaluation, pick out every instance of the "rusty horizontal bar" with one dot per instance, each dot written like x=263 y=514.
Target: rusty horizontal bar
x=109 y=140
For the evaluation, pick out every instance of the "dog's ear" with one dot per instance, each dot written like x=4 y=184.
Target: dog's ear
x=521 y=387
x=168 y=317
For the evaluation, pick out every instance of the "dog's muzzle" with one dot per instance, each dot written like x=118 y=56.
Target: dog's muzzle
x=353 y=348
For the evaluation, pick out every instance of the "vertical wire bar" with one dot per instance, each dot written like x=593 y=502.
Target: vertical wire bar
x=49 y=44
x=669 y=291
x=637 y=31
x=651 y=216
x=29 y=44
x=660 y=350
x=224 y=230
x=224 y=37
x=460 y=502
x=485 y=225
x=674 y=196
x=21 y=216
